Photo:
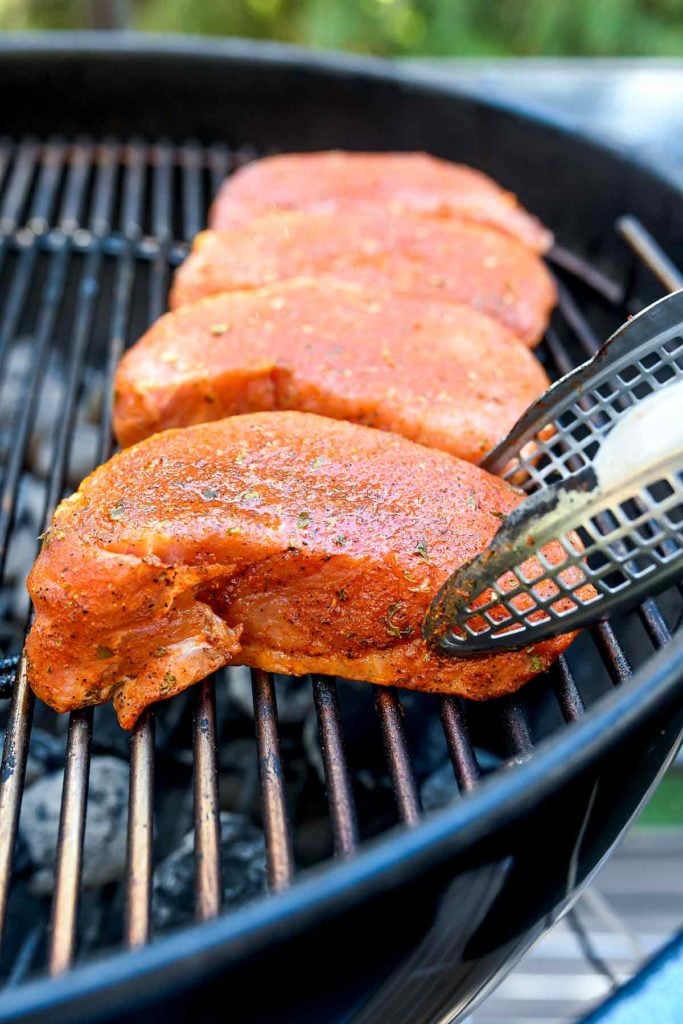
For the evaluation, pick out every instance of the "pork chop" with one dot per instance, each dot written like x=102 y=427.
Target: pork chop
x=286 y=541
x=401 y=182
x=440 y=374
x=445 y=261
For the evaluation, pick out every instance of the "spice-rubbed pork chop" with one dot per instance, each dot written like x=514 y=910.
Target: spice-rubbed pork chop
x=400 y=181
x=440 y=374
x=286 y=541
x=446 y=261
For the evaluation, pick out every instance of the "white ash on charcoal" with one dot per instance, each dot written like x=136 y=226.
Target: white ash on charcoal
x=104 y=847
x=243 y=872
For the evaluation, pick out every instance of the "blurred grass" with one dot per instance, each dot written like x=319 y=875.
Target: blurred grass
x=666 y=806
x=470 y=28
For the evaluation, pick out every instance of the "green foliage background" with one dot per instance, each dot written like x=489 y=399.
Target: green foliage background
x=400 y=27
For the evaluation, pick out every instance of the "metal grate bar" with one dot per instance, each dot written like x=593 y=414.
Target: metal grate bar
x=557 y=352
x=16 y=298
x=516 y=726
x=19 y=184
x=576 y=321
x=390 y=714
x=162 y=196
x=342 y=809
x=587 y=274
x=5 y=157
x=459 y=746
x=18 y=732
x=62 y=936
x=51 y=164
x=12 y=773
x=654 y=623
x=162 y=212
x=80 y=162
x=141 y=787
x=611 y=652
x=105 y=180
x=219 y=165
x=49 y=309
x=82 y=328
x=567 y=692
x=131 y=210
x=139 y=871
x=23 y=275
x=28 y=397
x=276 y=828
x=193 y=207
x=207 y=820
x=8 y=670
x=140 y=833
x=652 y=254
x=74 y=801
x=207 y=827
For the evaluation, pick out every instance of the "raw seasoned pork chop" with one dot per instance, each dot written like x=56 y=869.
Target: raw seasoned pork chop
x=400 y=181
x=447 y=261
x=440 y=374
x=285 y=541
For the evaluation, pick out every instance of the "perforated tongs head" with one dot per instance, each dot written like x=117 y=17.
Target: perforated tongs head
x=600 y=456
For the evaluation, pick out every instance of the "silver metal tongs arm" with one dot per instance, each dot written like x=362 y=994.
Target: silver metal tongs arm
x=601 y=457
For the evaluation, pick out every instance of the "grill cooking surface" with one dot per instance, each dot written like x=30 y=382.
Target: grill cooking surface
x=90 y=232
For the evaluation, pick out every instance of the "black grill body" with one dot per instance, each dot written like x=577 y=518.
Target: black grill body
x=424 y=918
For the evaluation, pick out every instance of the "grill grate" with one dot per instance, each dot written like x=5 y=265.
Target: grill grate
x=89 y=234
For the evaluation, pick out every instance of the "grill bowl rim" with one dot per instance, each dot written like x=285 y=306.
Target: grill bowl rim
x=140 y=48
x=114 y=982
x=117 y=981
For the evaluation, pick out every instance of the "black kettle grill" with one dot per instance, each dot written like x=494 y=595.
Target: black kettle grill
x=382 y=903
